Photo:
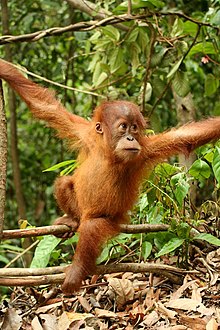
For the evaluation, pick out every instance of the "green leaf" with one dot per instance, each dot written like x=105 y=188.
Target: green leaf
x=43 y=251
x=132 y=37
x=200 y=169
x=60 y=165
x=205 y=48
x=216 y=164
x=116 y=59
x=211 y=84
x=208 y=238
x=216 y=19
x=4 y=259
x=143 y=38
x=135 y=61
x=190 y=28
x=102 y=77
x=111 y=32
x=180 y=83
x=172 y=245
x=181 y=187
x=165 y=170
x=177 y=28
x=175 y=68
x=146 y=249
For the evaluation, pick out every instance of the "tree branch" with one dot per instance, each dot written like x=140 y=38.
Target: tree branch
x=52 y=275
x=61 y=229
x=91 y=25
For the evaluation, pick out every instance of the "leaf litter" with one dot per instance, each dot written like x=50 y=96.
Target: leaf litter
x=123 y=301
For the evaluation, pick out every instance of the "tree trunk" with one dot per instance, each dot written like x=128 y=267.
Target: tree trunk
x=13 y=134
x=3 y=159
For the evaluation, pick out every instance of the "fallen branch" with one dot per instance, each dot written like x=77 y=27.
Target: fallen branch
x=61 y=229
x=55 y=275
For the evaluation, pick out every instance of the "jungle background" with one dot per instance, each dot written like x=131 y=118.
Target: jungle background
x=162 y=55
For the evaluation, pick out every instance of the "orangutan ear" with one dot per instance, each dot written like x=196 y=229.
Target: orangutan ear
x=98 y=128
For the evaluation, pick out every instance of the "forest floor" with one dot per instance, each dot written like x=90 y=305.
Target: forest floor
x=123 y=301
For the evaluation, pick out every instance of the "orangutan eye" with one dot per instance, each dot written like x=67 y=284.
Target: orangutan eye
x=134 y=127
x=123 y=126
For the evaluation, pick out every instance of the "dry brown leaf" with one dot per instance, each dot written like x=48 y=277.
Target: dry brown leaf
x=35 y=324
x=85 y=304
x=104 y=313
x=123 y=289
x=189 y=305
x=178 y=293
x=194 y=323
x=12 y=319
x=212 y=324
x=49 y=321
x=165 y=311
x=151 y=319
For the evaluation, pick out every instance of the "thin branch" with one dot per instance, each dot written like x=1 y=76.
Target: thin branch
x=55 y=83
x=51 y=275
x=91 y=25
x=61 y=229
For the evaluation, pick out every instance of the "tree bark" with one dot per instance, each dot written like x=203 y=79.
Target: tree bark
x=3 y=159
x=14 y=137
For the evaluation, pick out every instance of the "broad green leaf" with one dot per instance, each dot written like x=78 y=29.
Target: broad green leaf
x=95 y=36
x=143 y=38
x=132 y=37
x=135 y=50
x=146 y=249
x=103 y=76
x=177 y=28
x=205 y=48
x=43 y=251
x=172 y=245
x=190 y=28
x=111 y=32
x=181 y=187
x=211 y=84
x=60 y=165
x=216 y=19
x=116 y=59
x=143 y=202
x=200 y=169
x=156 y=3
x=165 y=170
x=96 y=73
x=208 y=238
x=4 y=259
x=180 y=83
x=174 y=69
x=216 y=164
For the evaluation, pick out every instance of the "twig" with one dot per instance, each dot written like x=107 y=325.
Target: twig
x=20 y=68
x=22 y=253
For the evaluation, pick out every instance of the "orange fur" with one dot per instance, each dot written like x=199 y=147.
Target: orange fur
x=114 y=155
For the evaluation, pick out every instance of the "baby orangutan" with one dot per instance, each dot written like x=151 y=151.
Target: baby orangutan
x=114 y=156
